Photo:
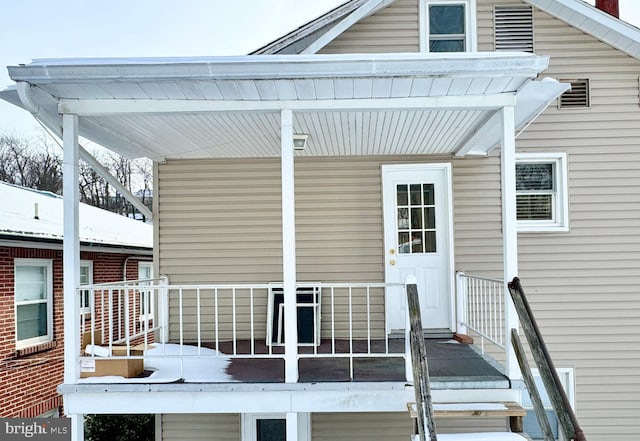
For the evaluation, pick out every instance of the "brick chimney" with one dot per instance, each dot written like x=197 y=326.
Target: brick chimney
x=609 y=6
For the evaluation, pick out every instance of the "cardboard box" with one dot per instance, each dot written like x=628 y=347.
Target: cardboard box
x=102 y=367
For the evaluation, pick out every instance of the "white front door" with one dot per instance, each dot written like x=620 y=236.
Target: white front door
x=418 y=241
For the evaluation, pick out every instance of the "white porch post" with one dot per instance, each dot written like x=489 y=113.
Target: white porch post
x=509 y=231
x=71 y=260
x=289 y=248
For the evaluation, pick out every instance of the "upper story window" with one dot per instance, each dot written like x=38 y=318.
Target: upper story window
x=33 y=288
x=541 y=192
x=448 y=25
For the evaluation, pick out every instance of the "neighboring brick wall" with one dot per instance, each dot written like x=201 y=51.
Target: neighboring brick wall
x=28 y=379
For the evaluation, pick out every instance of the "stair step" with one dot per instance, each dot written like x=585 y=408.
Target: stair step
x=457 y=410
x=488 y=436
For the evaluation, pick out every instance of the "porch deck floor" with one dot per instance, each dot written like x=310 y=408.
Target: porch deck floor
x=449 y=363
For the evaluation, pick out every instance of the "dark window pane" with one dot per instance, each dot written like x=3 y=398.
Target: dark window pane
x=416 y=194
x=416 y=242
x=446 y=19
x=427 y=189
x=534 y=176
x=32 y=320
x=416 y=218
x=429 y=241
x=448 y=45
x=271 y=430
x=402 y=195
x=430 y=217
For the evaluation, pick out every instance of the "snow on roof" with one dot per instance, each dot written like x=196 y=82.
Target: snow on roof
x=29 y=213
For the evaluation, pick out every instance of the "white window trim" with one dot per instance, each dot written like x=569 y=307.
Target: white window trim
x=86 y=309
x=248 y=424
x=152 y=300
x=568 y=381
x=471 y=36
x=48 y=263
x=560 y=222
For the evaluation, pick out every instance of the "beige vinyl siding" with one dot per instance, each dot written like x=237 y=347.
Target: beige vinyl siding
x=339 y=232
x=390 y=426
x=583 y=285
x=195 y=427
x=361 y=426
x=393 y=29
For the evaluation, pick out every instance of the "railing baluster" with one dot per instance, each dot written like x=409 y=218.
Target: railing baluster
x=216 y=319
x=198 y=320
x=252 y=331
x=233 y=325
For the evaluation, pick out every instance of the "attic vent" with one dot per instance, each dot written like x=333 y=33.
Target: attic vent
x=513 y=28
x=577 y=97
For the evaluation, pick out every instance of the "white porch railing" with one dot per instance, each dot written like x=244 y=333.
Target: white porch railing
x=482 y=311
x=344 y=320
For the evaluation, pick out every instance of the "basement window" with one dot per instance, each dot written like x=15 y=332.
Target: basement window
x=579 y=97
x=541 y=192
x=513 y=28
x=530 y=421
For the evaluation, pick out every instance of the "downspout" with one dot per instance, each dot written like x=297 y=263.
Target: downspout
x=24 y=92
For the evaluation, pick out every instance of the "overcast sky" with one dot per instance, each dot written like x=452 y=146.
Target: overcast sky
x=32 y=29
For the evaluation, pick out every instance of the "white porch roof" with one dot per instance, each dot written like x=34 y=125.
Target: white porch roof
x=371 y=104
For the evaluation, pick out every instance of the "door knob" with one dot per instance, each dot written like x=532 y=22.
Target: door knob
x=392 y=262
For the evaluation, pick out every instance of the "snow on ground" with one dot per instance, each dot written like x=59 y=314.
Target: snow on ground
x=170 y=363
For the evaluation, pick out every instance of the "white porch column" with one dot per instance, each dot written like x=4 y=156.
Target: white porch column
x=289 y=248
x=509 y=231
x=71 y=260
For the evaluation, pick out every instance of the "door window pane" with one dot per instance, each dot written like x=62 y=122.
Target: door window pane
x=416 y=218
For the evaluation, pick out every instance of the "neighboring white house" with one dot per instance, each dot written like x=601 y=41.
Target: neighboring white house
x=302 y=184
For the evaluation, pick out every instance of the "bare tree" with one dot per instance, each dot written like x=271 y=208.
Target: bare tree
x=30 y=164
x=35 y=164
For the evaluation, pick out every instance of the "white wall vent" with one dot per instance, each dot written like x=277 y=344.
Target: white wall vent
x=578 y=96
x=513 y=28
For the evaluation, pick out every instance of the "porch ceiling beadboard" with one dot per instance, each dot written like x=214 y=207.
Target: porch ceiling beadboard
x=230 y=106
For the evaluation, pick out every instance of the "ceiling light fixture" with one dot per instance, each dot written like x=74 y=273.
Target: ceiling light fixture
x=300 y=141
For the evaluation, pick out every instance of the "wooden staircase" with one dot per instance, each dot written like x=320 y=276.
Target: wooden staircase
x=424 y=412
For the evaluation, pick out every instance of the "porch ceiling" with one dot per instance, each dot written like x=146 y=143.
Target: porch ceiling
x=230 y=106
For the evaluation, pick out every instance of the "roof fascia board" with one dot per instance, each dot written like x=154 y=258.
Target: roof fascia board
x=621 y=35
x=88 y=107
x=357 y=15
x=274 y=67
x=56 y=244
x=308 y=29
